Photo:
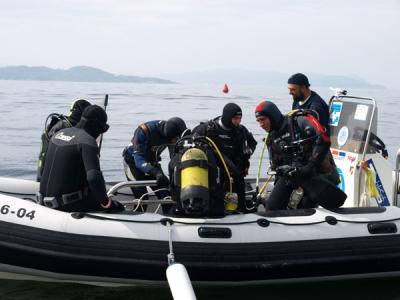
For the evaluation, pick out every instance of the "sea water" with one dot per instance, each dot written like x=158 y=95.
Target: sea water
x=24 y=106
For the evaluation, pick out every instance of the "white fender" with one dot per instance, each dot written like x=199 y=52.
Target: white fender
x=179 y=282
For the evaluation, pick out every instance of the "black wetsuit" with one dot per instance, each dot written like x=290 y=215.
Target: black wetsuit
x=72 y=165
x=316 y=103
x=57 y=123
x=313 y=153
x=236 y=144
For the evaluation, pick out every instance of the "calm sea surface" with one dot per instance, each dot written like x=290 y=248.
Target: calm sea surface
x=24 y=106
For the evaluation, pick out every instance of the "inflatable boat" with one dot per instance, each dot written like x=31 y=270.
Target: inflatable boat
x=361 y=239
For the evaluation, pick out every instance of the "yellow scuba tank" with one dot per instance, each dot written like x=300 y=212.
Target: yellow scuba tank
x=195 y=194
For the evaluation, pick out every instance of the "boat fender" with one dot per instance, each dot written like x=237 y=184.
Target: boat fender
x=179 y=282
x=331 y=220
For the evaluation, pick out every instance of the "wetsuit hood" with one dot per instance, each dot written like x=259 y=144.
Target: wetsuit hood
x=270 y=110
x=94 y=120
x=173 y=128
x=77 y=109
x=230 y=110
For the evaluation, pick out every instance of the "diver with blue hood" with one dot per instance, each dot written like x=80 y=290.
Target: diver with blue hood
x=143 y=154
x=72 y=179
x=299 y=149
x=54 y=123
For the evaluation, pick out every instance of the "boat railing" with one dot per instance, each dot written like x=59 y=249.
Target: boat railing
x=140 y=183
x=396 y=179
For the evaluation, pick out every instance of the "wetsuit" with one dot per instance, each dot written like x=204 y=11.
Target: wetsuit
x=72 y=172
x=316 y=103
x=236 y=145
x=310 y=158
x=57 y=123
x=143 y=155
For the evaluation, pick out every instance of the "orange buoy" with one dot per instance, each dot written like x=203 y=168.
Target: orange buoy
x=225 y=89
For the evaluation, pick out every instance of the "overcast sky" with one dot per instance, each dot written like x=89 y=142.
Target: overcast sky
x=150 y=37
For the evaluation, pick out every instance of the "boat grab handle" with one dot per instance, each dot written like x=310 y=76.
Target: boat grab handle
x=114 y=189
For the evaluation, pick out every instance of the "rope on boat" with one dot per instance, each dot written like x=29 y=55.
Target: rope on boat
x=262 y=222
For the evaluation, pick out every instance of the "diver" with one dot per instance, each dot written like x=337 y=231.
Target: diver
x=305 y=98
x=143 y=154
x=72 y=179
x=235 y=143
x=299 y=153
x=58 y=122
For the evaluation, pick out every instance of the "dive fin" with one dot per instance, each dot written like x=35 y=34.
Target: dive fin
x=324 y=193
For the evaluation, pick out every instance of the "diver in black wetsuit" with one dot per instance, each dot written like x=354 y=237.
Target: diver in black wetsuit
x=58 y=122
x=305 y=98
x=235 y=142
x=299 y=153
x=72 y=180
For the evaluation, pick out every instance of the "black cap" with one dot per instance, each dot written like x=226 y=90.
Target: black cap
x=174 y=127
x=230 y=110
x=299 y=79
x=270 y=110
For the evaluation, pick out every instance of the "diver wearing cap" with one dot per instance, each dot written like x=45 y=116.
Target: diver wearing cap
x=235 y=142
x=305 y=98
x=143 y=154
x=299 y=153
x=58 y=122
x=72 y=179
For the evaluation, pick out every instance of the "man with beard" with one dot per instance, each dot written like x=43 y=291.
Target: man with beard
x=304 y=98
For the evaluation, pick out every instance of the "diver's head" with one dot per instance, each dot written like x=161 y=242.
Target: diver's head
x=77 y=108
x=231 y=115
x=94 y=120
x=173 y=128
x=299 y=87
x=268 y=116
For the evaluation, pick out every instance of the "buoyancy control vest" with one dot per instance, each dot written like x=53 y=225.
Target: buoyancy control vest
x=198 y=185
x=301 y=138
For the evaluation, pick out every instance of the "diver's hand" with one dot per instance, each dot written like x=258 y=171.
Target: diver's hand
x=285 y=170
x=112 y=206
x=162 y=180
x=306 y=171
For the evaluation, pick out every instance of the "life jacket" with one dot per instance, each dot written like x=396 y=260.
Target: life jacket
x=216 y=186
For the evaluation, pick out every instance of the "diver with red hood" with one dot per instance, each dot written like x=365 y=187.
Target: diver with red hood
x=306 y=175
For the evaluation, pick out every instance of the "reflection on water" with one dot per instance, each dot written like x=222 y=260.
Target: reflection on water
x=367 y=289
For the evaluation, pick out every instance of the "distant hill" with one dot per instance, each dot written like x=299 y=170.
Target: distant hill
x=272 y=78
x=77 y=74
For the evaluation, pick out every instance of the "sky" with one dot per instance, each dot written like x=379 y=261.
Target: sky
x=360 y=38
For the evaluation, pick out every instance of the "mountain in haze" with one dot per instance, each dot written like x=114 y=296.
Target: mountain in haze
x=272 y=78
x=77 y=74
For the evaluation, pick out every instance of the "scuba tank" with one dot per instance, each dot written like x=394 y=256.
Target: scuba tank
x=195 y=194
x=197 y=184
